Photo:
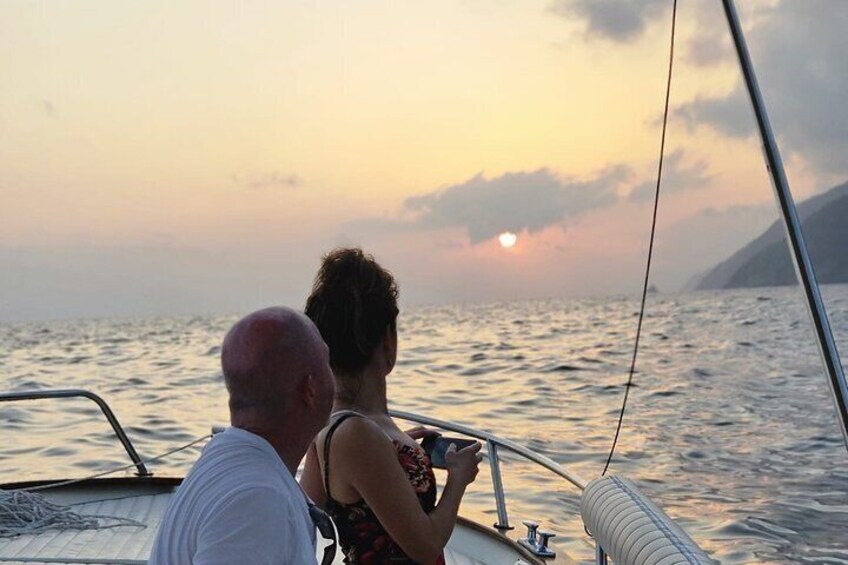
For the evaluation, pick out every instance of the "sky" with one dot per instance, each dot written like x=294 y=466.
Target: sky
x=188 y=157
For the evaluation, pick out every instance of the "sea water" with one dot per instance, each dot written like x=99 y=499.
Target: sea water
x=730 y=426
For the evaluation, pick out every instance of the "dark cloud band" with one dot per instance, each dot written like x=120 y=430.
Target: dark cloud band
x=515 y=202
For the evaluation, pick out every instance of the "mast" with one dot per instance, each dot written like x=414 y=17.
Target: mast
x=800 y=256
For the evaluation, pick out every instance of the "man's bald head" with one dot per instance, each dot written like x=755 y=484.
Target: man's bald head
x=265 y=357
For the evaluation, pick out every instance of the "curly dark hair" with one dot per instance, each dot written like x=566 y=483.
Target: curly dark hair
x=353 y=302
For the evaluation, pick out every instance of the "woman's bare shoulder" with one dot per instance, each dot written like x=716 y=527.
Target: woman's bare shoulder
x=362 y=438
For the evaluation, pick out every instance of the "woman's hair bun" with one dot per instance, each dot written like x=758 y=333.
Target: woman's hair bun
x=353 y=302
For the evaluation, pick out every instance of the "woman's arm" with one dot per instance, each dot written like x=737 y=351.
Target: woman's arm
x=367 y=460
x=311 y=481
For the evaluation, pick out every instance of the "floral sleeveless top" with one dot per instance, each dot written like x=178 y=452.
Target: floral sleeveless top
x=362 y=537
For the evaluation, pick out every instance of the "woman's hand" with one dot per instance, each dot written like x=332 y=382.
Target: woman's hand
x=463 y=465
x=419 y=432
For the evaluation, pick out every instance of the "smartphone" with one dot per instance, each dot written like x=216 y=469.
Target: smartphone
x=437 y=446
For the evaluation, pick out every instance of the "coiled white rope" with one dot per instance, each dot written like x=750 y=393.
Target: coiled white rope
x=24 y=513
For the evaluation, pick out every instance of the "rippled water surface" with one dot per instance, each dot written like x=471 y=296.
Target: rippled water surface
x=730 y=426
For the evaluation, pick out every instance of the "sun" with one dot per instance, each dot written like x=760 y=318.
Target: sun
x=507 y=239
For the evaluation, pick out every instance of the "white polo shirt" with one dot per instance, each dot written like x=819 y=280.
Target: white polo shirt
x=238 y=504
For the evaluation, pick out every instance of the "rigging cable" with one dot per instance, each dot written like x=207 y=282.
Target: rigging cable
x=650 y=244
x=110 y=471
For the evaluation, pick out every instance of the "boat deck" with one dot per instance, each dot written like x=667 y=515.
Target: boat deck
x=145 y=500
x=123 y=544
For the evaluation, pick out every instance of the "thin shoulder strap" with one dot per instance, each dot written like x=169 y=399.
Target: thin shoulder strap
x=333 y=427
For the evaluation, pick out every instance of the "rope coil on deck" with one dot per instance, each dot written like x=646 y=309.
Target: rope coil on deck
x=24 y=513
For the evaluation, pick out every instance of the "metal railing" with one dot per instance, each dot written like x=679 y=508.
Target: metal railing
x=141 y=470
x=493 y=443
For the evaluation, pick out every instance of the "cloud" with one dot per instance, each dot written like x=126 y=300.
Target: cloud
x=677 y=177
x=709 y=45
x=729 y=115
x=626 y=21
x=516 y=201
x=617 y=20
x=269 y=180
x=708 y=48
x=799 y=56
x=48 y=107
x=529 y=201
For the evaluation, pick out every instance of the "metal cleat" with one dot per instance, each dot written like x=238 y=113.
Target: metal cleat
x=537 y=541
x=530 y=539
x=543 y=549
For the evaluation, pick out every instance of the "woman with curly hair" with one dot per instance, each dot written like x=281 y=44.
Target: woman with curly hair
x=373 y=478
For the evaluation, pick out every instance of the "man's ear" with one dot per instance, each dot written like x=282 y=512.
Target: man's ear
x=309 y=391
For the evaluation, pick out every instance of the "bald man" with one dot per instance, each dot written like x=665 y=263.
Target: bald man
x=240 y=502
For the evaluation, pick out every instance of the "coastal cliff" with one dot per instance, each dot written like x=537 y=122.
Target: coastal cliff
x=765 y=261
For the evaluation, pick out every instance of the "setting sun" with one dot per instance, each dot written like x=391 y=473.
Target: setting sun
x=507 y=239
